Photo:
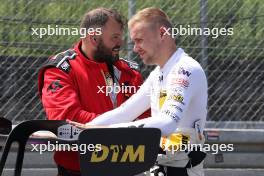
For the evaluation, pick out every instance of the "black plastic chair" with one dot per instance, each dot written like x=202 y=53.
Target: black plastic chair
x=21 y=133
x=5 y=126
x=125 y=151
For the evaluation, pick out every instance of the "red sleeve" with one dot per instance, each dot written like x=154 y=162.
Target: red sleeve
x=138 y=82
x=60 y=98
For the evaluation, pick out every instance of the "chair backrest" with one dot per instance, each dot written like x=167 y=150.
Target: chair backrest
x=124 y=151
x=5 y=126
x=21 y=133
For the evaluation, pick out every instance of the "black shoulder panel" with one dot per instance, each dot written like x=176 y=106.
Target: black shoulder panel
x=131 y=64
x=61 y=60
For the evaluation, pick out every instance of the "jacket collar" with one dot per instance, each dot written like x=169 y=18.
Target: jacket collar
x=171 y=61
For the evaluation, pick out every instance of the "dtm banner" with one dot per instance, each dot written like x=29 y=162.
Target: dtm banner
x=118 y=151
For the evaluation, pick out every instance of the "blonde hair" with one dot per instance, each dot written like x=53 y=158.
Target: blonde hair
x=152 y=15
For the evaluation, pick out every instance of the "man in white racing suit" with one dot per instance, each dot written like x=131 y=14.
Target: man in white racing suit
x=176 y=92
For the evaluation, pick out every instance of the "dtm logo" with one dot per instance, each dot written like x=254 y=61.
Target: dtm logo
x=119 y=153
x=184 y=72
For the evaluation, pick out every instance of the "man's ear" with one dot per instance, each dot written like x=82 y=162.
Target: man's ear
x=93 y=39
x=162 y=30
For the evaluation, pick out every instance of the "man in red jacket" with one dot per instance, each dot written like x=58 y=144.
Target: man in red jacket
x=78 y=84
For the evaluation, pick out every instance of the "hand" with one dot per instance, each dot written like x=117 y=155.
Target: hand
x=43 y=134
x=83 y=126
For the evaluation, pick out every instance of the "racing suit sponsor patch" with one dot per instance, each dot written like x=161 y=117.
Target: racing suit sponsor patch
x=65 y=66
x=54 y=86
x=172 y=115
x=177 y=107
x=178 y=98
x=180 y=82
x=183 y=71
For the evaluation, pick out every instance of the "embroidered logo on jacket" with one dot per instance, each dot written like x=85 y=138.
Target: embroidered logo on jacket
x=54 y=86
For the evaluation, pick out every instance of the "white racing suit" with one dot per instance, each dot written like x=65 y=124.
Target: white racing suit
x=177 y=96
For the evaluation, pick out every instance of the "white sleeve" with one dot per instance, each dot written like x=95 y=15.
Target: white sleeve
x=128 y=111
x=180 y=91
x=166 y=125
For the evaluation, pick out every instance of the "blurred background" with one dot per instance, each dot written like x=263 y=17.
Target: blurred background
x=234 y=64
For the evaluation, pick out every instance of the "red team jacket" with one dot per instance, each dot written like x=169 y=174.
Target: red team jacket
x=69 y=89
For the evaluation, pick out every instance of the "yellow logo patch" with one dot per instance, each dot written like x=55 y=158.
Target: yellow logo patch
x=175 y=140
x=162 y=98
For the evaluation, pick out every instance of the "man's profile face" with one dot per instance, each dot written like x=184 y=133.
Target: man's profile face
x=146 y=43
x=109 y=42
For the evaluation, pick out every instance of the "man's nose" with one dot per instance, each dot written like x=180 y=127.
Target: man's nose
x=135 y=48
x=120 y=42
